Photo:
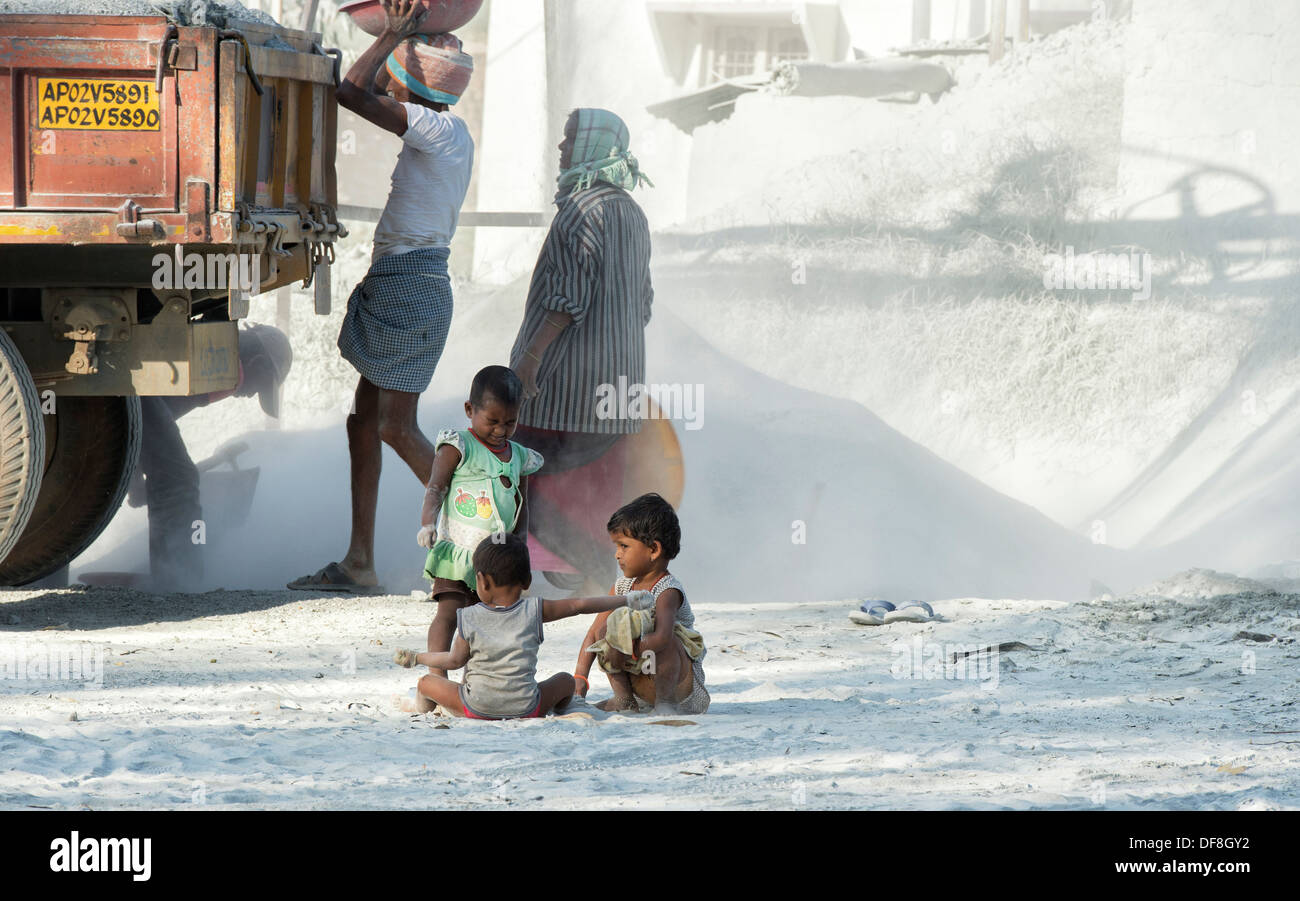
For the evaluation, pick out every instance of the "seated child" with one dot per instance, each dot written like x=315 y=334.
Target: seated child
x=477 y=489
x=653 y=657
x=498 y=639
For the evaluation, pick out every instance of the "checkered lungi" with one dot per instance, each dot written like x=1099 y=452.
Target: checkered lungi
x=398 y=318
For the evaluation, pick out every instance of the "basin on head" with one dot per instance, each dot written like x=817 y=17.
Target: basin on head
x=444 y=15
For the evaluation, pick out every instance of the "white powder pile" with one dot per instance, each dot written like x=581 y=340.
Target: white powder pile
x=187 y=12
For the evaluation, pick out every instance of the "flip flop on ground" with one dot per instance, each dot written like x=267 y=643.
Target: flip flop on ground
x=333 y=578
x=872 y=613
x=911 y=612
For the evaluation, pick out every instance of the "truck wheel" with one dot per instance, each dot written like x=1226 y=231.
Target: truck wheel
x=93 y=446
x=22 y=445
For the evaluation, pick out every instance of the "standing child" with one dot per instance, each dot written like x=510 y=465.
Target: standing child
x=498 y=641
x=477 y=490
x=653 y=657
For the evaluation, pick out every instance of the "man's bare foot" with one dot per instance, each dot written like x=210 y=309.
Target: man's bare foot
x=337 y=577
x=361 y=575
x=616 y=705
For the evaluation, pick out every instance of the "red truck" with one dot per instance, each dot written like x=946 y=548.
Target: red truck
x=153 y=177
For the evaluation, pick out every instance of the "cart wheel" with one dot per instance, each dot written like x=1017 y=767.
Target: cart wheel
x=22 y=445
x=92 y=448
x=565 y=581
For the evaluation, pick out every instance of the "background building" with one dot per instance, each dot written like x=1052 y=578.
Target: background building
x=544 y=59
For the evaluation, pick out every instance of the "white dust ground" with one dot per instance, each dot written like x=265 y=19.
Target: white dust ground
x=246 y=700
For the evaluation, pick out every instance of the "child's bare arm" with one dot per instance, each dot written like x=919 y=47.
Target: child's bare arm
x=444 y=465
x=586 y=659
x=456 y=658
x=666 y=607
x=553 y=610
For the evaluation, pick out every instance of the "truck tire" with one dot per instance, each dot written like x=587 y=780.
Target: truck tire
x=22 y=445
x=93 y=446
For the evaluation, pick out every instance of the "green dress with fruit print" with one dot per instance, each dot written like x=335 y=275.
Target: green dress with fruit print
x=478 y=504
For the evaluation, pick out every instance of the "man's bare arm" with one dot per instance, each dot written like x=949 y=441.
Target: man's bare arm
x=357 y=94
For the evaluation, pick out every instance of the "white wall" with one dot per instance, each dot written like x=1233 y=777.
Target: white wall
x=874 y=27
x=512 y=159
x=604 y=55
x=1212 y=94
x=545 y=58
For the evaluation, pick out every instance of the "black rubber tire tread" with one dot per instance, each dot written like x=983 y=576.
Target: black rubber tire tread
x=95 y=445
x=22 y=445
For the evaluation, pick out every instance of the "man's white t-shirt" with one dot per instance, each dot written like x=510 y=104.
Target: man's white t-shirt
x=429 y=183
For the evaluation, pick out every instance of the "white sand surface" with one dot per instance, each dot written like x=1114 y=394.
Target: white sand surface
x=276 y=700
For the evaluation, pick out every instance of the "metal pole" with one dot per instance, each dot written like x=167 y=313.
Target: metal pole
x=323 y=286
x=309 y=14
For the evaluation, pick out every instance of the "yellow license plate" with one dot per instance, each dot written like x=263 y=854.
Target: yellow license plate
x=97 y=103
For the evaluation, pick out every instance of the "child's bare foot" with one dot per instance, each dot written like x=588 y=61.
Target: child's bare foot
x=616 y=704
x=413 y=702
x=405 y=657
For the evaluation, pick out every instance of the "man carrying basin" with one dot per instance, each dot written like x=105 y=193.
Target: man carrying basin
x=398 y=317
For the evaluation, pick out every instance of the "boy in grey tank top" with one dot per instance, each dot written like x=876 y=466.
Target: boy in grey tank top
x=497 y=640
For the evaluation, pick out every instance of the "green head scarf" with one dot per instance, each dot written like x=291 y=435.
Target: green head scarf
x=600 y=153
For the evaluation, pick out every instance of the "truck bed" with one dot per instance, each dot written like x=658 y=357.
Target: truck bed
x=132 y=131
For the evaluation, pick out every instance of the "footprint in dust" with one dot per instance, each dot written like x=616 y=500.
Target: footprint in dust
x=105 y=767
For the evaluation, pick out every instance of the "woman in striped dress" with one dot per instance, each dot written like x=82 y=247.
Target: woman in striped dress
x=584 y=328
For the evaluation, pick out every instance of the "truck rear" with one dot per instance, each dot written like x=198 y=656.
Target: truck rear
x=154 y=176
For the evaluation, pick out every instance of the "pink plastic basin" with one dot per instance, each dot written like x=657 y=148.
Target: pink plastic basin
x=444 y=15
